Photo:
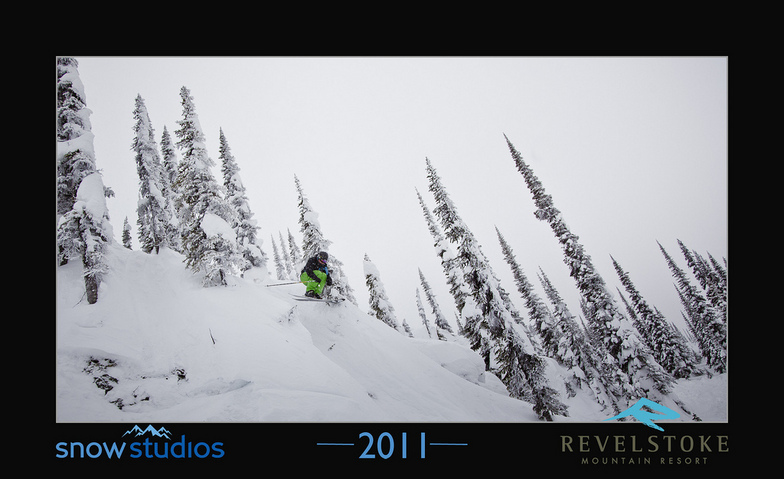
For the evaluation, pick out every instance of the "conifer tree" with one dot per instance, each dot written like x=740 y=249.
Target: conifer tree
x=561 y=337
x=449 y=262
x=491 y=320
x=151 y=207
x=169 y=158
x=208 y=240
x=295 y=254
x=637 y=373
x=710 y=331
x=481 y=328
x=441 y=322
x=286 y=258
x=543 y=322
x=243 y=223
x=665 y=346
x=83 y=228
x=313 y=242
x=168 y=177
x=422 y=314
x=523 y=375
x=85 y=231
x=280 y=269
x=75 y=154
x=407 y=328
x=126 y=234
x=712 y=278
x=380 y=307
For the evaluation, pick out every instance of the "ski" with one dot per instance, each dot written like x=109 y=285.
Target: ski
x=317 y=300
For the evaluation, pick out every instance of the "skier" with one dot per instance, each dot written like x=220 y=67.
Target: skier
x=315 y=275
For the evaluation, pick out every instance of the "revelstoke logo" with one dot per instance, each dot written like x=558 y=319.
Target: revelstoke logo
x=659 y=412
x=137 y=431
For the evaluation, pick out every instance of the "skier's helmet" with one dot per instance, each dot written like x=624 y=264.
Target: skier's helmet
x=323 y=256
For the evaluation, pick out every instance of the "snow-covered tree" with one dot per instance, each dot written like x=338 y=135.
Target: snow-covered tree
x=286 y=258
x=313 y=242
x=407 y=328
x=295 y=254
x=280 y=269
x=243 y=222
x=75 y=154
x=442 y=325
x=208 y=240
x=422 y=314
x=712 y=278
x=485 y=319
x=151 y=208
x=660 y=338
x=543 y=322
x=168 y=177
x=491 y=320
x=588 y=354
x=708 y=328
x=449 y=262
x=380 y=307
x=169 y=158
x=637 y=373
x=523 y=375
x=83 y=228
x=85 y=231
x=126 y=234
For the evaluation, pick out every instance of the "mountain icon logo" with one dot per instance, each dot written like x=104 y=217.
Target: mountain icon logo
x=136 y=431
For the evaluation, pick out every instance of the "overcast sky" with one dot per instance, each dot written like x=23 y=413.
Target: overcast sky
x=632 y=149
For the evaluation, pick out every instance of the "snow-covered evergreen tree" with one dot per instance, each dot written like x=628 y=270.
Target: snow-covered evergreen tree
x=523 y=375
x=407 y=328
x=543 y=322
x=637 y=373
x=313 y=242
x=83 y=228
x=286 y=258
x=208 y=240
x=660 y=338
x=574 y=337
x=710 y=331
x=280 y=269
x=422 y=314
x=169 y=157
x=712 y=278
x=561 y=338
x=297 y=262
x=449 y=263
x=168 y=177
x=380 y=307
x=151 y=208
x=85 y=231
x=491 y=320
x=442 y=326
x=126 y=234
x=75 y=154
x=243 y=222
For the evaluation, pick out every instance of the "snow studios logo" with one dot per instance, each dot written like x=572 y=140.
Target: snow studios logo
x=138 y=443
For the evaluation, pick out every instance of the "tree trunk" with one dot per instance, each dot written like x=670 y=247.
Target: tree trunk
x=91 y=288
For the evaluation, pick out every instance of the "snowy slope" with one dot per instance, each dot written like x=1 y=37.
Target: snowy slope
x=158 y=347
x=273 y=359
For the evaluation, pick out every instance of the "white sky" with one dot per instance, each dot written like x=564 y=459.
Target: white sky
x=632 y=149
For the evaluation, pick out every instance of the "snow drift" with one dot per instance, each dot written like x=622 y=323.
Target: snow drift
x=159 y=347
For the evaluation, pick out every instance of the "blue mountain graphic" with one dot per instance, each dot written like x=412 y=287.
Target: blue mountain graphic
x=137 y=431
